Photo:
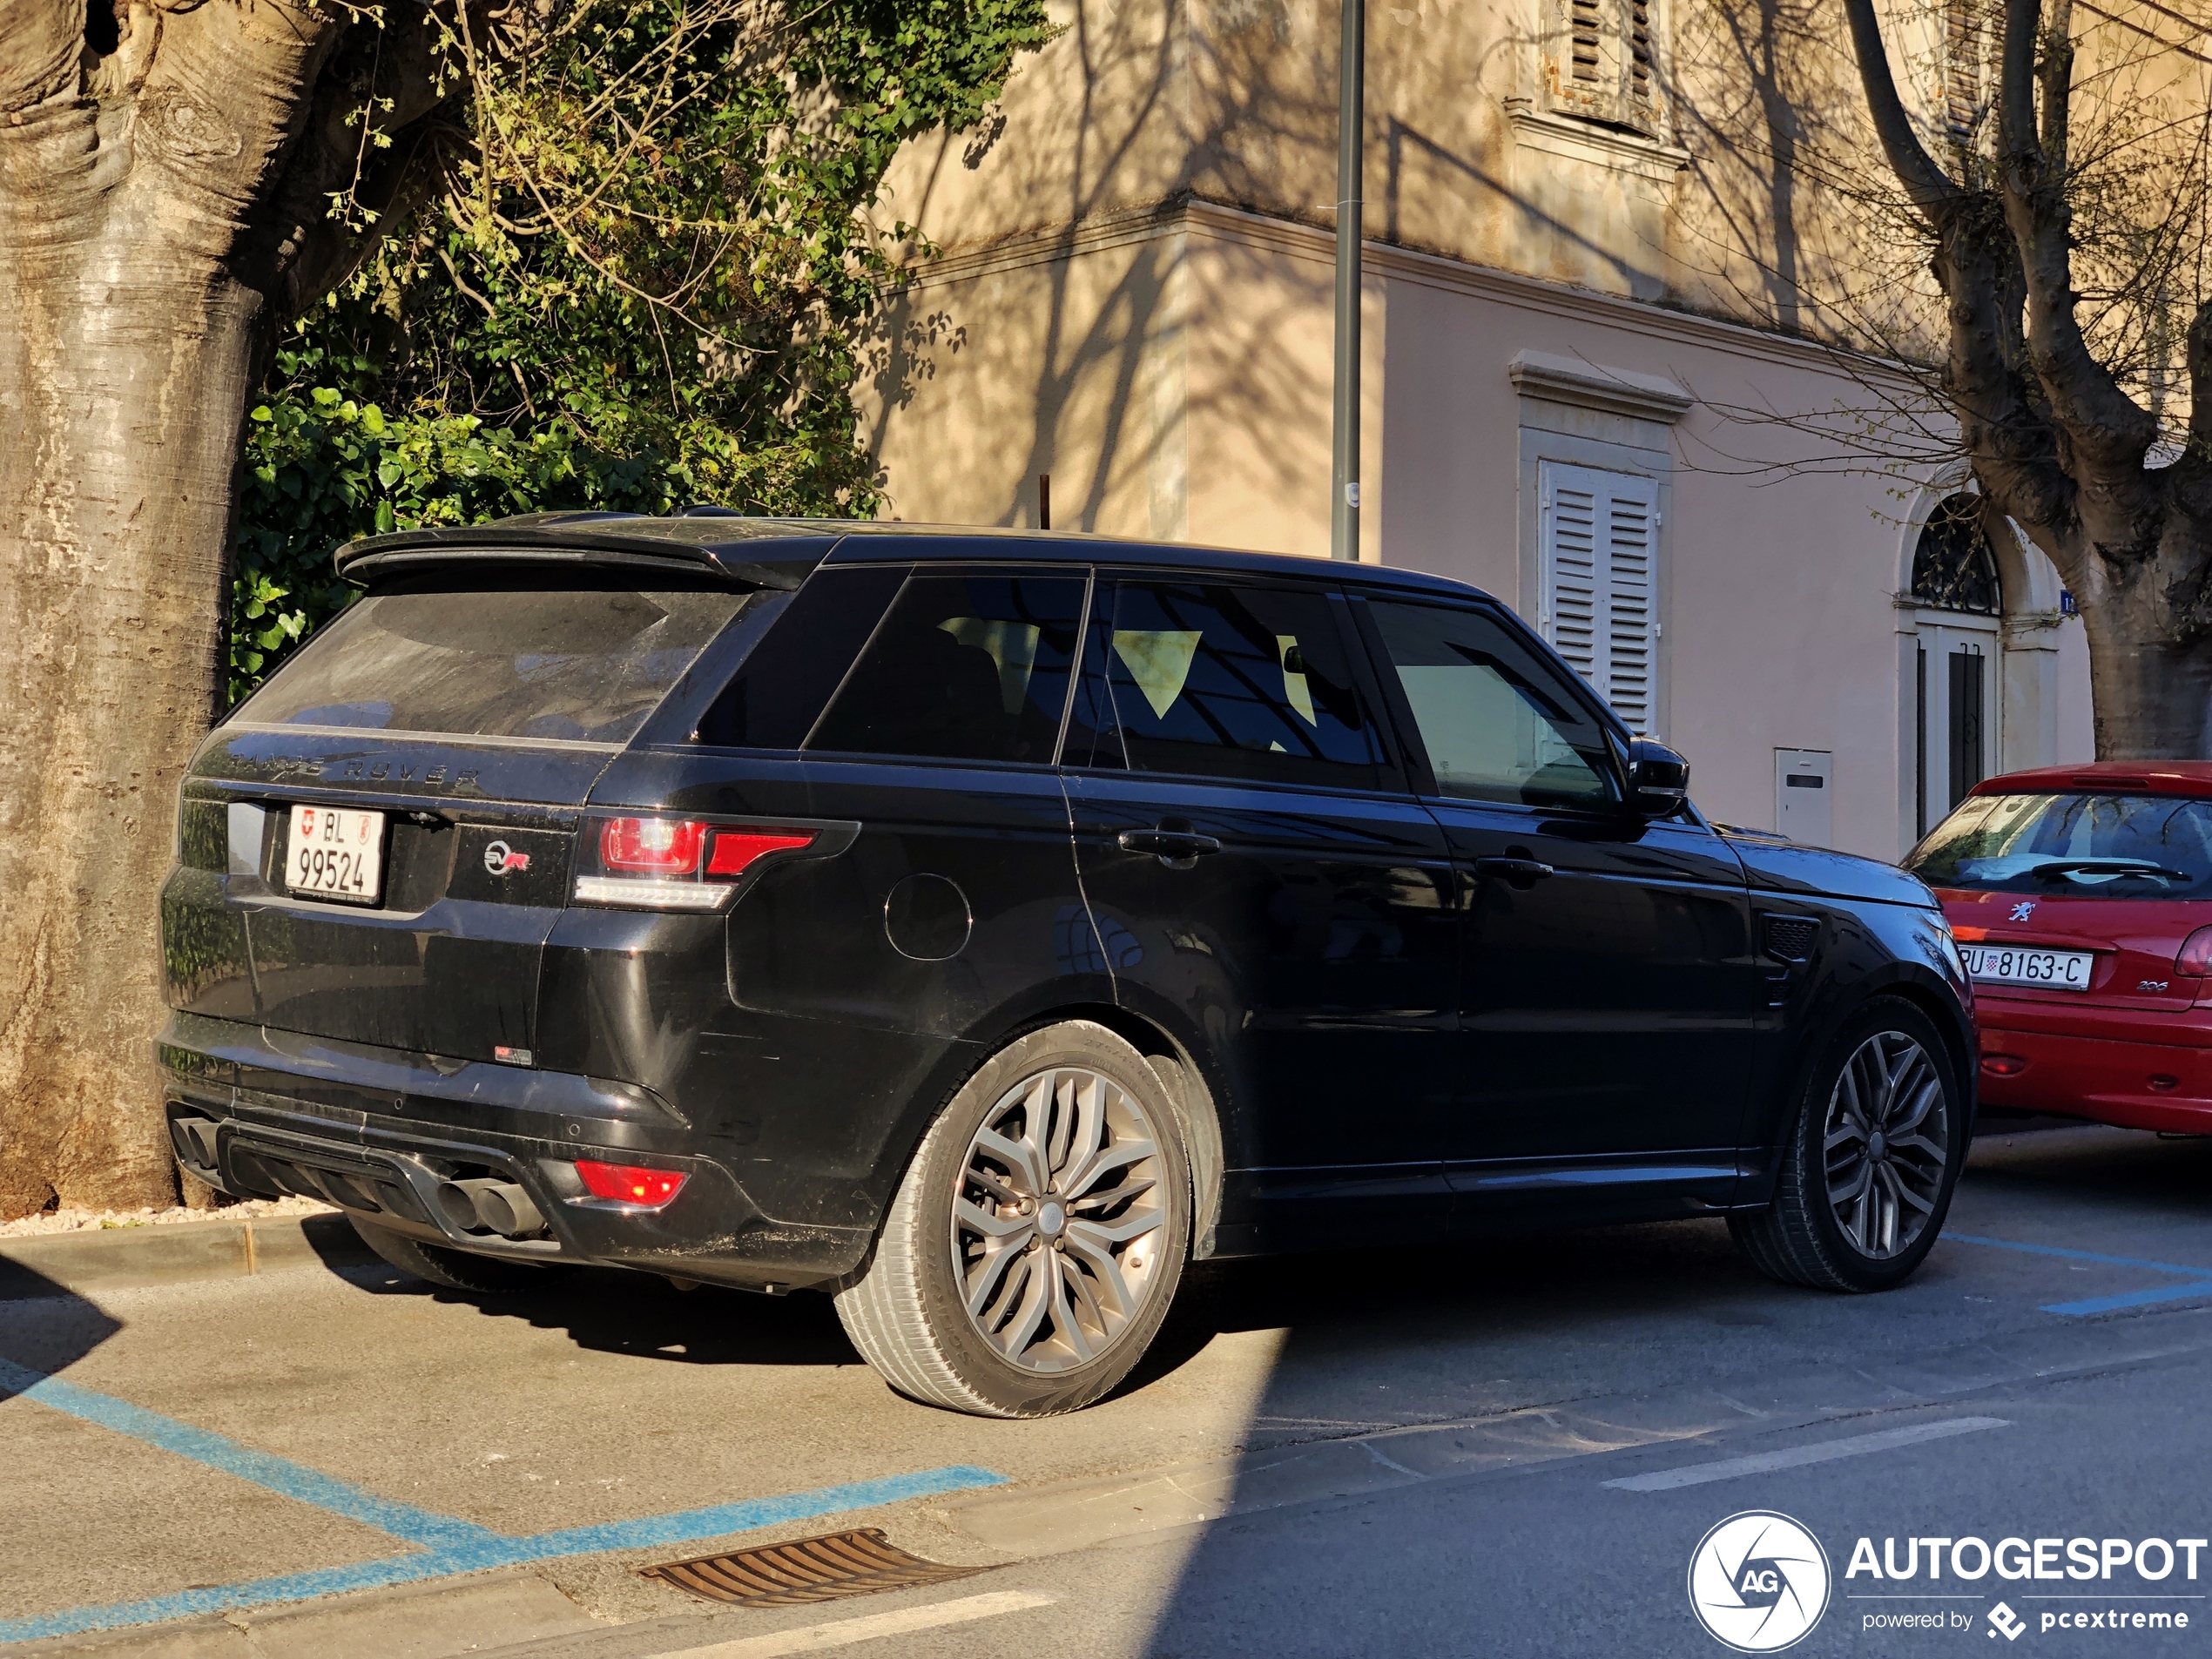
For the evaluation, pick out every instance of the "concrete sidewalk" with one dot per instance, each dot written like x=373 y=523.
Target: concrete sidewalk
x=117 y=1258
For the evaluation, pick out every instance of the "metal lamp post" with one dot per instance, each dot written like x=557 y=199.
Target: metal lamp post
x=1344 y=512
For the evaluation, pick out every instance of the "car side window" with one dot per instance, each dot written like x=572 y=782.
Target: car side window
x=1497 y=720
x=1223 y=680
x=965 y=666
x=780 y=689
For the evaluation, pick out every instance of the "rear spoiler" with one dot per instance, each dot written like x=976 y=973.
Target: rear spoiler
x=775 y=554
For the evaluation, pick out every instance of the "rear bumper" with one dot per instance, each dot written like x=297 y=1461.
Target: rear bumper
x=376 y=1131
x=2143 y=1070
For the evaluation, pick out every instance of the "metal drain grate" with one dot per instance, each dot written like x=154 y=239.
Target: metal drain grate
x=805 y=1569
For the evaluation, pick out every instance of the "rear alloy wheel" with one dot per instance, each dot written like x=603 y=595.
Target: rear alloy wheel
x=458 y=1270
x=1033 y=1249
x=1867 y=1177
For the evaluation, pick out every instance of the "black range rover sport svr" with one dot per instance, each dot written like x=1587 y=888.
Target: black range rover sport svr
x=980 y=925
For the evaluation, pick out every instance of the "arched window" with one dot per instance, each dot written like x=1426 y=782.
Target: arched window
x=1953 y=568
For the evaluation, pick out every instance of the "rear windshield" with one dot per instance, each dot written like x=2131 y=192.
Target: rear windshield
x=578 y=663
x=2108 y=847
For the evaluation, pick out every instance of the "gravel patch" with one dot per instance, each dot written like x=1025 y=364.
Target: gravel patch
x=81 y=1221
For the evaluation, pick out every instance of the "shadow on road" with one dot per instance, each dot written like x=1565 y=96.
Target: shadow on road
x=43 y=1327
x=1552 y=1319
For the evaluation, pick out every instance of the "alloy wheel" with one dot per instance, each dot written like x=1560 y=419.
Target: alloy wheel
x=1886 y=1144
x=1053 y=1223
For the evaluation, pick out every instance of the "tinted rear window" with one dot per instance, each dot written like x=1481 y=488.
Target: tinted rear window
x=1216 y=680
x=967 y=666
x=580 y=663
x=2106 y=846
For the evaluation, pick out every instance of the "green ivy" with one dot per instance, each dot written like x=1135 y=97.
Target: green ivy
x=642 y=287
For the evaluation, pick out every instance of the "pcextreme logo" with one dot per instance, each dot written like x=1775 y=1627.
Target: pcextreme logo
x=1758 y=1582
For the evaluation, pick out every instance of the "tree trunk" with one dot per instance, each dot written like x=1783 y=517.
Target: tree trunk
x=2150 y=676
x=121 y=404
x=2056 y=444
x=164 y=178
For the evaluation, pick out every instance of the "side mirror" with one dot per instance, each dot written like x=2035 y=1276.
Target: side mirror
x=1658 y=779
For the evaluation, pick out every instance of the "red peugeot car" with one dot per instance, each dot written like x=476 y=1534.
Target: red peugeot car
x=2081 y=897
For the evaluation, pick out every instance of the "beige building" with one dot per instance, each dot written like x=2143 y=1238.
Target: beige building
x=1596 y=377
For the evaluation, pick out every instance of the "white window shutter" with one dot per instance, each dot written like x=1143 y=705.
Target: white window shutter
x=1599 y=601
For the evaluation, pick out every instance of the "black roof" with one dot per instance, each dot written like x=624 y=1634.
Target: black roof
x=782 y=552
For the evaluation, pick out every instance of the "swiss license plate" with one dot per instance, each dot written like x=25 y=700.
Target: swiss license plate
x=335 y=852
x=2056 y=970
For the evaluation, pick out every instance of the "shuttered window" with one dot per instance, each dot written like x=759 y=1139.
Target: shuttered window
x=1600 y=551
x=1602 y=63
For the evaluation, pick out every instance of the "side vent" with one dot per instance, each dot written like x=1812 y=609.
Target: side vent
x=1790 y=939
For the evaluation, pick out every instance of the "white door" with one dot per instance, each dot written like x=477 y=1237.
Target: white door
x=1803 y=783
x=1955 y=690
x=1599 y=590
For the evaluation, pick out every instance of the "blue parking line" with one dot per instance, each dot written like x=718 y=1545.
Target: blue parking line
x=448 y=1545
x=262 y=1468
x=2199 y=1281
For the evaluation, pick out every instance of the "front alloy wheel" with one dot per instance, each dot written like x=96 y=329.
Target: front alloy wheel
x=1887 y=1145
x=1869 y=1155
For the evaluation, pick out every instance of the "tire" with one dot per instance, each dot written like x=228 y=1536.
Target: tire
x=457 y=1270
x=1055 y=1330
x=1850 y=1215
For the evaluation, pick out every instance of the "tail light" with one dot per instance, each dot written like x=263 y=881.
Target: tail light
x=657 y=863
x=2195 y=955
x=635 y=1183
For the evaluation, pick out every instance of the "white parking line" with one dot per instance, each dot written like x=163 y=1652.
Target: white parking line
x=1796 y=1456
x=813 y=1638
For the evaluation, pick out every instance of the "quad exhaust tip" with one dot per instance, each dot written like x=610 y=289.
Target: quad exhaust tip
x=486 y=1202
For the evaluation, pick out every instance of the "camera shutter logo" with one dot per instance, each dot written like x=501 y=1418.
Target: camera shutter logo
x=1758 y=1582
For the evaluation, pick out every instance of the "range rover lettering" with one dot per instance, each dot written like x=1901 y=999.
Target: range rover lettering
x=981 y=927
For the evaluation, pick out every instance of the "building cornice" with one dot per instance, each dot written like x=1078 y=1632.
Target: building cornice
x=1593 y=386
x=1576 y=139
x=1212 y=221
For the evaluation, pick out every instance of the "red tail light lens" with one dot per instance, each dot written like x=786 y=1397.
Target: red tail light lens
x=655 y=863
x=2196 y=953
x=734 y=850
x=631 y=1183
x=652 y=846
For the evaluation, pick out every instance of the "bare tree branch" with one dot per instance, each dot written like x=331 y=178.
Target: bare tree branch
x=1932 y=189
x=2105 y=433
x=2199 y=360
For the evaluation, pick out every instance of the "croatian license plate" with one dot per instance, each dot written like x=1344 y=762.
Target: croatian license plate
x=2056 y=970
x=335 y=852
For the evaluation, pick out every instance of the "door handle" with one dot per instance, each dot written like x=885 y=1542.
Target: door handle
x=1167 y=844
x=1520 y=871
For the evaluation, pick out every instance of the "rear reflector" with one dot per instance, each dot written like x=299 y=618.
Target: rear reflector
x=2195 y=955
x=655 y=863
x=2003 y=1065
x=631 y=1183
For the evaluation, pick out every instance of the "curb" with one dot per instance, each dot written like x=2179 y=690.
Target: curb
x=412 y=1622
x=122 y=1258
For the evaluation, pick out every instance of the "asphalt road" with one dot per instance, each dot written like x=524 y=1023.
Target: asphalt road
x=1417 y=1451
